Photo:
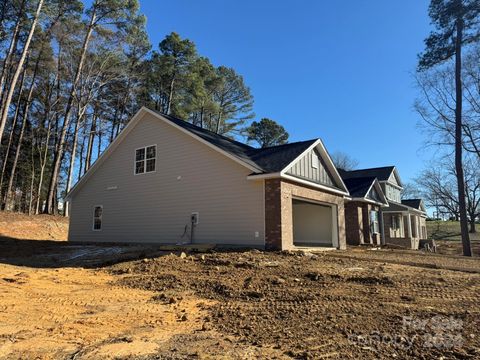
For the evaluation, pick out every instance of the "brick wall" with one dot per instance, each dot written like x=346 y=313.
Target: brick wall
x=354 y=223
x=398 y=241
x=273 y=224
x=278 y=212
x=357 y=223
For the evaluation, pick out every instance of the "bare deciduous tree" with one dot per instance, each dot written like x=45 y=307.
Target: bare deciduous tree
x=344 y=161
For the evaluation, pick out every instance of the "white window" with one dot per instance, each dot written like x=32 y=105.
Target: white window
x=393 y=193
x=374 y=221
x=97 y=217
x=314 y=160
x=145 y=159
x=396 y=228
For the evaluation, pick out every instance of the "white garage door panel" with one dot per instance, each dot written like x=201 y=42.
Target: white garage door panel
x=312 y=223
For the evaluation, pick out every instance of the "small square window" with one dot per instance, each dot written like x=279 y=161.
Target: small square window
x=150 y=165
x=151 y=152
x=145 y=159
x=140 y=154
x=139 y=167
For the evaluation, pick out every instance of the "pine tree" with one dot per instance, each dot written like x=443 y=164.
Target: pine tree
x=456 y=25
x=267 y=133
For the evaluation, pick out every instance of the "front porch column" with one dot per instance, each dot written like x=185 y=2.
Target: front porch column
x=409 y=226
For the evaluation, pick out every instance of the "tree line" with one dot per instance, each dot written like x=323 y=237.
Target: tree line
x=71 y=76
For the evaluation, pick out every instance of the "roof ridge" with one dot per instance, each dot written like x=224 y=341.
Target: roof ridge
x=287 y=144
x=170 y=117
x=372 y=168
x=290 y=143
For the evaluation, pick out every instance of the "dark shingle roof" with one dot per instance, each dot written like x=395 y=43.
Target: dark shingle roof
x=381 y=173
x=358 y=187
x=265 y=160
x=275 y=158
x=414 y=203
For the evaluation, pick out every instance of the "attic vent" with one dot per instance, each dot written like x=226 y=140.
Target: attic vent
x=314 y=160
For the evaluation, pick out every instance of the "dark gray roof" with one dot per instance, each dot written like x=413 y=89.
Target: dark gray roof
x=396 y=207
x=358 y=187
x=414 y=203
x=265 y=160
x=406 y=205
x=381 y=173
x=276 y=158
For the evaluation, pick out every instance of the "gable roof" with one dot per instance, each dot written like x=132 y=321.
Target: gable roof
x=360 y=187
x=414 y=203
x=261 y=161
x=381 y=173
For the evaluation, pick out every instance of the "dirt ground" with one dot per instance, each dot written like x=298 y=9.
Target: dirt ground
x=61 y=300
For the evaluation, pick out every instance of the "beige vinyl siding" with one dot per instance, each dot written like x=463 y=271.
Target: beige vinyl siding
x=155 y=207
x=304 y=168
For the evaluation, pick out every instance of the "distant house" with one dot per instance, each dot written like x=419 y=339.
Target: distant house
x=164 y=180
x=363 y=210
x=403 y=220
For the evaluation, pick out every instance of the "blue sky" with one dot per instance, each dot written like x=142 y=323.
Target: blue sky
x=338 y=70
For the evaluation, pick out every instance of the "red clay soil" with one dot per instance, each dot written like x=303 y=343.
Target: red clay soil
x=38 y=227
x=60 y=300
x=323 y=306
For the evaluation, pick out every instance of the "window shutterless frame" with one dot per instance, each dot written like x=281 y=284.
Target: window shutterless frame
x=145 y=160
x=97 y=218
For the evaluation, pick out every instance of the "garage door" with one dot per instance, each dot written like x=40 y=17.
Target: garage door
x=313 y=224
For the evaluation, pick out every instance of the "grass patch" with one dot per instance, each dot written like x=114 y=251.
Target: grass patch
x=448 y=230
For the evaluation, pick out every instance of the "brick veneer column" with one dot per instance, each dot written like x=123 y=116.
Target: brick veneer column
x=273 y=214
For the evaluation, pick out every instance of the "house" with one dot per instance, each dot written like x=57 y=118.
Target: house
x=403 y=220
x=363 y=218
x=164 y=180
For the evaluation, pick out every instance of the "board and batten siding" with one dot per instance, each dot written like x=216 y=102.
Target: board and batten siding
x=303 y=168
x=155 y=207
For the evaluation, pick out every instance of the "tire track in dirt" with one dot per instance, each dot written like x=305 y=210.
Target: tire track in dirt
x=313 y=306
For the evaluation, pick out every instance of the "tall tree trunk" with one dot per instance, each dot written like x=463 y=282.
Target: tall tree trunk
x=12 y=46
x=72 y=160
x=51 y=197
x=80 y=165
x=473 y=229
x=22 y=131
x=114 y=124
x=43 y=163
x=48 y=122
x=12 y=132
x=467 y=248
x=13 y=82
x=91 y=138
x=8 y=193
x=26 y=111
x=100 y=138
x=32 y=178
x=171 y=90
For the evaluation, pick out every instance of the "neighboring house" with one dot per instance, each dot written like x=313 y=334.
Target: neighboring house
x=363 y=218
x=163 y=180
x=403 y=220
